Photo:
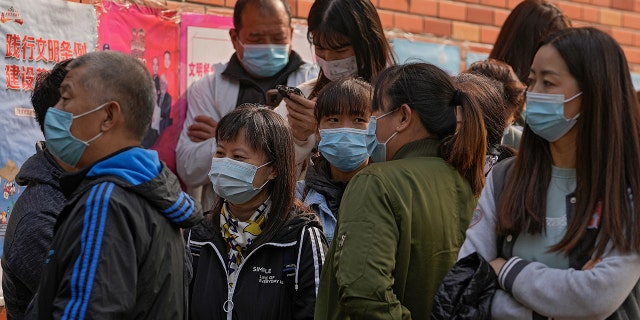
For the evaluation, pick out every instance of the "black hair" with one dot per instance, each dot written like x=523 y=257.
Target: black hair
x=265 y=131
x=46 y=91
x=334 y=24
x=350 y=96
x=430 y=92
x=607 y=152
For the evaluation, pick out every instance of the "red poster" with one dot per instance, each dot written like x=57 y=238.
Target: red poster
x=151 y=36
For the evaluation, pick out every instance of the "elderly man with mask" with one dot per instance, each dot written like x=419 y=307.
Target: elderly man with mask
x=117 y=250
x=263 y=59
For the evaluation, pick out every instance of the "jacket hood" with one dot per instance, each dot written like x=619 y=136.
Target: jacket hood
x=41 y=168
x=140 y=171
x=291 y=229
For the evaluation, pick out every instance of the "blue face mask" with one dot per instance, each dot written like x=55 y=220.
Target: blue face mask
x=344 y=148
x=264 y=60
x=233 y=180
x=545 y=115
x=60 y=142
x=377 y=150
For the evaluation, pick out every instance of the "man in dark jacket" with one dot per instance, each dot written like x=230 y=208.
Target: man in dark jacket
x=30 y=228
x=117 y=250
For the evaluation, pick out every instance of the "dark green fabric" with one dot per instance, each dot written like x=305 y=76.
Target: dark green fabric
x=400 y=227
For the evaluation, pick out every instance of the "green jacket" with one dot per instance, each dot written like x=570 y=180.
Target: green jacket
x=400 y=226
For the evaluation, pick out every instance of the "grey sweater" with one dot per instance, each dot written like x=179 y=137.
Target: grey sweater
x=529 y=286
x=30 y=230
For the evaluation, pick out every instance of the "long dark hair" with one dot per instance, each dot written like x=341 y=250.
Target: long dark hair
x=527 y=24
x=264 y=131
x=607 y=146
x=430 y=92
x=334 y=24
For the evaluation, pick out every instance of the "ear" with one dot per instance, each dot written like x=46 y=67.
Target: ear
x=407 y=116
x=113 y=116
x=272 y=174
x=233 y=34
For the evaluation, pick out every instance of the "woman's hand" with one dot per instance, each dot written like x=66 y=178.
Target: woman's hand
x=497 y=264
x=590 y=264
x=301 y=116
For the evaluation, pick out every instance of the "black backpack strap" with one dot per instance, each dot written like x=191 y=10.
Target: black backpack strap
x=499 y=174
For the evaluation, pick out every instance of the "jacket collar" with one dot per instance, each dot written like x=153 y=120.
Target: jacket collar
x=69 y=182
x=235 y=70
x=420 y=148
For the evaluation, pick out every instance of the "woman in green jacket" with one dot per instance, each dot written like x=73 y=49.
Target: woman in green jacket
x=403 y=218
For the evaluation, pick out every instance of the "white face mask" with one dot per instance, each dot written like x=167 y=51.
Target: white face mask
x=336 y=69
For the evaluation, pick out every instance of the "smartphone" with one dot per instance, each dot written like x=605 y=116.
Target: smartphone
x=273 y=98
x=286 y=91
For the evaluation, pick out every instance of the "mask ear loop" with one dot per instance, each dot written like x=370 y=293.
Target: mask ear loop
x=91 y=111
x=575 y=96
x=265 y=183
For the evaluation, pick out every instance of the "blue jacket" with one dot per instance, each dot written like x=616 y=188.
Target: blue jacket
x=317 y=202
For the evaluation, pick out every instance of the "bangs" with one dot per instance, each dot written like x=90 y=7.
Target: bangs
x=344 y=97
x=249 y=125
x=328 y=37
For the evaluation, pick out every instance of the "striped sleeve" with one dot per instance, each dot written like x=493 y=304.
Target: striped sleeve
x=84 y=268
x=510 y=271
x=311 y=255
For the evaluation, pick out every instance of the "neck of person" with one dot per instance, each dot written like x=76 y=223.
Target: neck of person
x=563 y=150
x=339 y=175
x=64 y=166
x=244 y=211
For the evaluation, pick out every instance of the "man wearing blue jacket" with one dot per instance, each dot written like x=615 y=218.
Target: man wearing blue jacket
x=117 y=250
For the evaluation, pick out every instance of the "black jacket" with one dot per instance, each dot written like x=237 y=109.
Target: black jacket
x=277 y=280
x=117 y=251
x=30 y=230
x=466 y=291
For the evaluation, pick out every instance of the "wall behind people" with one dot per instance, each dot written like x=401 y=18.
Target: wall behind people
x=453 y=34
x=463 y=31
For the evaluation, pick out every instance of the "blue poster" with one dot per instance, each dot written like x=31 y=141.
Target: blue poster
x=30 y=46
x=444 y=56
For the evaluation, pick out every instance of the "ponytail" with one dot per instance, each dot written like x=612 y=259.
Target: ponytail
x=466 y=149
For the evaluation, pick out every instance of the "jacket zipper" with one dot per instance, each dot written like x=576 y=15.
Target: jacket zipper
x=228 y=305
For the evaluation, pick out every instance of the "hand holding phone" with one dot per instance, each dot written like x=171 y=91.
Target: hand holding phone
x=301 y=115
x=287 y=91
